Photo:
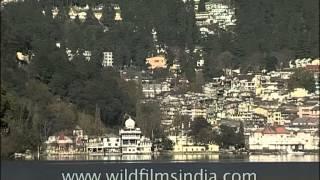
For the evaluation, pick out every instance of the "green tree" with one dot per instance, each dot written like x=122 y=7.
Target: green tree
x=302 y=78
x=148 y=119
x=167 y=144
x=201 y=131
x=231 y=136
x=293 y=25
x=271 y=63
x=202 y=6
x=241 y=136
x=180 y=123
x=160 y=74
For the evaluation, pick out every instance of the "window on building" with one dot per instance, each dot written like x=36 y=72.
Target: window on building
x=125 y=142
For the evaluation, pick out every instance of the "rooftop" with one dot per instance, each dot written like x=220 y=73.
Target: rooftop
x=274 y=130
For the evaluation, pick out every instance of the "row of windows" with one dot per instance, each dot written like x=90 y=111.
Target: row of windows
x=109 y=144
x=108 y=140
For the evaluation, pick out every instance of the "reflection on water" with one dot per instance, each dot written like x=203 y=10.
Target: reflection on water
x=127 y=158
x=284 y=158
x=192 y=157
x=195 y=157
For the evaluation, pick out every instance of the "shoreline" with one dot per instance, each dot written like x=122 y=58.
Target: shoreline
x=185 y=153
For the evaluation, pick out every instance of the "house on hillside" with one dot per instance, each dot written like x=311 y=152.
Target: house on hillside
x=156 y=62
x=309 y=111
x=107 y=59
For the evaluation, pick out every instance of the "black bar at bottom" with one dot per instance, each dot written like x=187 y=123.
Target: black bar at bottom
x=58 y=170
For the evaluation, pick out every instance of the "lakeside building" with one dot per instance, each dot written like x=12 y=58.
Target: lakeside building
x=129 y=141
x=132 y=140
x=183 y=144
x=62 y=144
x=273 y=138
x=108 y=144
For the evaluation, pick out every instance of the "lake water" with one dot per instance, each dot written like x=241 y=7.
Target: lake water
x=192 y=157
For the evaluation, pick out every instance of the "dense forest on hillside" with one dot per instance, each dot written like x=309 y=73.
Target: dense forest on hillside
x=267 y=35
x=53 y=94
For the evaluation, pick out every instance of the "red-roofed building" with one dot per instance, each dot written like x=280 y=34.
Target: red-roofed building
x=281 y=130
x=278 y=138
x=62 y=144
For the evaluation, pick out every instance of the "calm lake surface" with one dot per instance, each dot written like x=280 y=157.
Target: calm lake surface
x=192 y=157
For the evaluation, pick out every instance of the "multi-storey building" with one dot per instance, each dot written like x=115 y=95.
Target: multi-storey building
x=129 y=141
x=107 y=59
x=156 y=62
x=217 y=12
x=151 y=90
x=132 y=141
x=117 y=9
x=87 y=55
x=281 y=139
x=309 y=111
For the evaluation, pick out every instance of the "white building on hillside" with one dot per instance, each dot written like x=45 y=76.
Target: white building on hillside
x=118 y=13
x=151 y=90
x=4 y=2
x=218 y=12
x=80 y=12
x=107 y=59
x=55 y=12
x=87 y=55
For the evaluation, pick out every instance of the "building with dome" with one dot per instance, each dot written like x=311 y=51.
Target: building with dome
x=129 y=141
x=132 y=141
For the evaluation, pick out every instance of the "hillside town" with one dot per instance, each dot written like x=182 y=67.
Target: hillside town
x=274 y=118
x=202 y=102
